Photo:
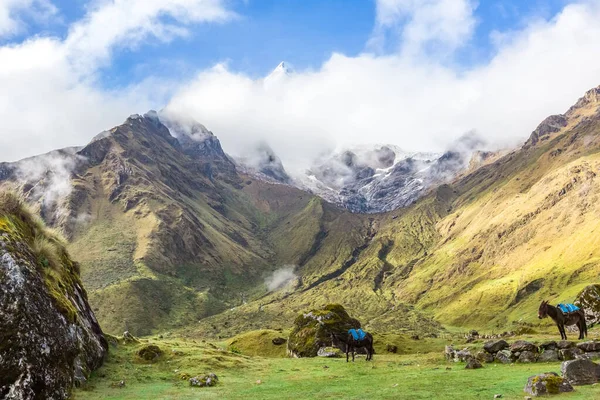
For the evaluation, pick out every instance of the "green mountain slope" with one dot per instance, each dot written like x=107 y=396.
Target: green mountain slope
x=170 y=235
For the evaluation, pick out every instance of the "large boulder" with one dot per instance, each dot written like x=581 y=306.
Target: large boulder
x=495 y=346
x=462 y=355
x=589 y=301
x=313 y=330
x=49 y=337
x=522 y=345
x=580 y=372
x=545 y=384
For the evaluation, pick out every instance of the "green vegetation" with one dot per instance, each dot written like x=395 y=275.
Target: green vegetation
x=410 y=376
x=22 y=229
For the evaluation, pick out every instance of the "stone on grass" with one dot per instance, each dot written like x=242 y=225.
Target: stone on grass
x=565 y=344
x=569 y=354
x=484 y=356
x=545 y=384
x=449 y=353
x=522 y=345
x=390 y=348
x=503 y=356
x=551 y=345
x=527 y=357
x=312 y=330
x=580 y=372
x=473 y=363
x=204 y=380
x=589 y=347
x=495 y=346
x=278 y=341
x=548 y=356
x=462 y=355
x=150 y=352
x=329 y=352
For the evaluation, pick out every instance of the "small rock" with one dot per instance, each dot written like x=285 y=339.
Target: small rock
x=495 y=346
x=497 y=396
x=545 y=384
x=395 y=385
x=329 y=352
x=150 y=352
x=565 y=344
x=548 y=356
x=473 y=363
x=278 y=341
x=570 y=353
x=462 y=356
x=503 y=356
x=527 y=357
x=580 y=372
x=258 y=382
x=484 y=356
x=592 y=346
x=522 y=345
x=527 y=398
x=449 y=353
x=551 y=345
x=390 y=348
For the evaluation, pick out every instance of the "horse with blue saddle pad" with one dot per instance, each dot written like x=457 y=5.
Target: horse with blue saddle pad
x=356 y=339
x=564 y=315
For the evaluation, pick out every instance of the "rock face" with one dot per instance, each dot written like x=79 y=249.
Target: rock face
x=589 y=301
x=545 y=384
x=313 y=330
x=581 y=372
x=49 y=337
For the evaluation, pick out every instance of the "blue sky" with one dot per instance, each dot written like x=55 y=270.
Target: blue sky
x=415 y=73
x=302 y=32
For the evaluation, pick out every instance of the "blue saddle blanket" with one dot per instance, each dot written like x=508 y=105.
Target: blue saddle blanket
x=568 y=308
x=357 y=334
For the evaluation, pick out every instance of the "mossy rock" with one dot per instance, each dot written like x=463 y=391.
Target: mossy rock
x=313 y=330
x=150 y=352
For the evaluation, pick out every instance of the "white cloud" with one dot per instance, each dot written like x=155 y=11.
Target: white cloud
x=418 y=103
x=439 y=26
x=12 y=11
x=50 y=97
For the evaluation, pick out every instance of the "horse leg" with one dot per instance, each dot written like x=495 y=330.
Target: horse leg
x=347 y=350
x=353 y=351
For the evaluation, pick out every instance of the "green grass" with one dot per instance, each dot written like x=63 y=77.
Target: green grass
x=411 y=376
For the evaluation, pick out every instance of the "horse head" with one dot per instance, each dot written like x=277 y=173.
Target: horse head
x=543 y=310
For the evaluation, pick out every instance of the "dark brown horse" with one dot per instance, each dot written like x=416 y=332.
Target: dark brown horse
x=562 y=319
x=347 y=344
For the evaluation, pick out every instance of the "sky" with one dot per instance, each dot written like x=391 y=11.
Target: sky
x=415 y=73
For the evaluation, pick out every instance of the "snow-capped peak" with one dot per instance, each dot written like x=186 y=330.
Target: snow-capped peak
x=282 y=71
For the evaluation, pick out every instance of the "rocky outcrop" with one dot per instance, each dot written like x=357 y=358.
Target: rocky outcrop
x=49 y=337
x=313 y=330
x=552 y=124
x=589 y=301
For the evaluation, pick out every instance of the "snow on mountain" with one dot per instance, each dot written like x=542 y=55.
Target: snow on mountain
x=280 y=73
